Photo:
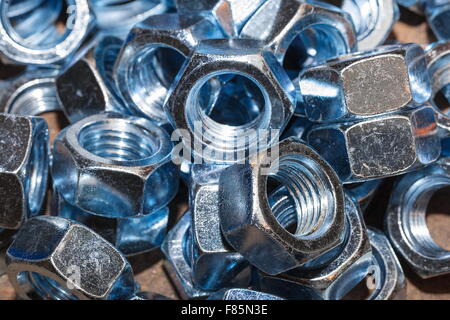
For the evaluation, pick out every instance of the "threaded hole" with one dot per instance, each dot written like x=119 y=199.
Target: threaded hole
x=310 y=204
x=305 y=50
x=119 y=140
x=150 y=76
x=35 y=98
x=230 y=108
x=414 y=223
x=43 y=26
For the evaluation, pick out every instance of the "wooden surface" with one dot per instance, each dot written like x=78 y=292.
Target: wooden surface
x=148 y=267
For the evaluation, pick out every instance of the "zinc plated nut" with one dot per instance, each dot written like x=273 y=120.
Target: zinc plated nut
x=363 y=192
x=23 y=168
x=249 y=225
x=242 y=294
x=341 y=89
x=162 y=42
x=118 y=17
x=438 y=16
x=31 y=93
x=379 y=147
x=222 y=57
x=405 y=222
x=230 y=15
x=55 y=258
x=16 y=50
x=315 y=22
x=87 y=87
x=373 y=19
x=215 y=265
x=115 y=166
x=131 y=236
x=391 y=283
x=178 y=265
x=348 y=265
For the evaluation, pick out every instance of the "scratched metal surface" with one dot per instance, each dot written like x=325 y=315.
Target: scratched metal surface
x=148 y=267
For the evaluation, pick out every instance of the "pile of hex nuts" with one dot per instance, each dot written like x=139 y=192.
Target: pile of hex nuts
x=159 y=93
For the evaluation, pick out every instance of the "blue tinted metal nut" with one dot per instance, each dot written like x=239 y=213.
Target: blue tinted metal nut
x=342 y=89
x=248 y=222
x=87 y=87
x=222 y=143
x=438 y=17
x=115 y=166
x=23 y=168
x=178 y=252
x=41 y=43
x=151 y=57
x=363 y=192
x=349 y=262
x=214 y=264
x=31 y=93
x=55 y=258
x=326 y=29
x=131 y=236
x=118 y=17
x=379 y=147
x=230 y=15
x=387 y=273
x=373 y=19
x=405 y=222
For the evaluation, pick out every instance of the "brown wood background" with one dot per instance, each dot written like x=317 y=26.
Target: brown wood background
x=148 y=267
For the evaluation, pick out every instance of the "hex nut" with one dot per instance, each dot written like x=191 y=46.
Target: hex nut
x=87 y=87
x=349 y=264
x=249 y=225
x=31 y=93
x=379 y=147
x=131 y=236
x=242 y=57
x=341 y=89
x=391 y=284
x=242 y=294
x=115 y=166
x=284 y=20
x=23 y=168
x=215 y=265
x=14 y=50
x=178 y=265
x=373 y=19
x=405 y=223
x=231 y=15
x=162 y=42
x=438 y=15
x=55 y=258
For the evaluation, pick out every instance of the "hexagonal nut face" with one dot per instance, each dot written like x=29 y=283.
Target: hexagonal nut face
x=161 y=42
x=228 y=58
x=438 y=15
x=405 y=221
x=231 y=15
x=243 y=294
x=391 y=282
x=342 y=90
x=86 y=87
x=54 y=258
x=177 y=248
x=379 y=147
x=131 y=236
x=23 y=168
x=36 y=85
x=249 y=225
x=115 y=166
x=285 y=20
x=348 y=265
x=215 y=265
